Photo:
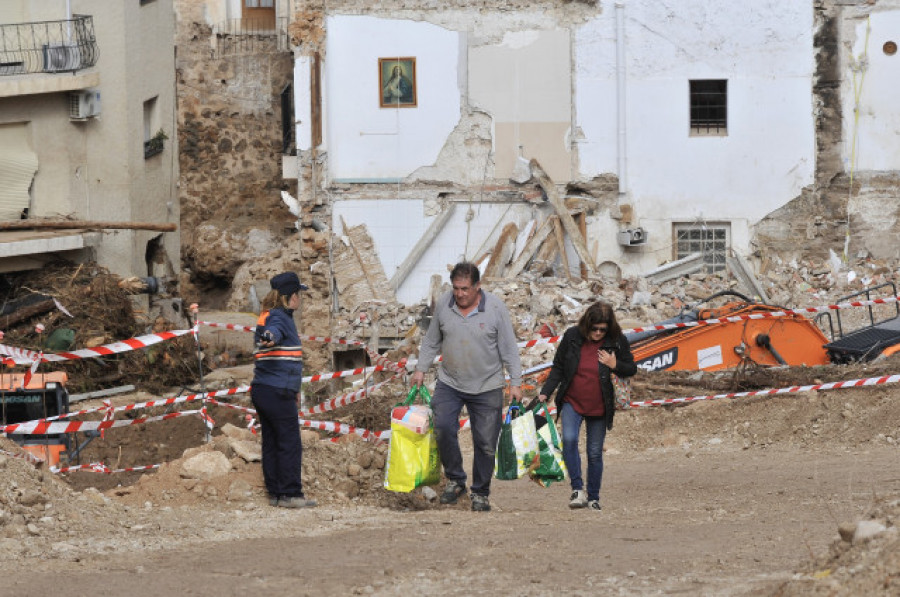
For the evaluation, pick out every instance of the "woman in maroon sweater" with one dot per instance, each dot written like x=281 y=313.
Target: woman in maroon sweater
x=580 y=376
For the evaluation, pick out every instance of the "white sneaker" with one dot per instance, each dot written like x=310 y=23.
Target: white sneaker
x=578 y=499
x=594 y=505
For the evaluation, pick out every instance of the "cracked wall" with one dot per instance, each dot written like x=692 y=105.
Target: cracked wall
x=854 y=75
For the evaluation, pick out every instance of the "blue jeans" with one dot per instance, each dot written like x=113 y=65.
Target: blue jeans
x=596 y=435
x=484 y=414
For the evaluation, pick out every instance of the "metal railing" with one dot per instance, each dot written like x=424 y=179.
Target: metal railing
x=48 y=46
x=242 y=37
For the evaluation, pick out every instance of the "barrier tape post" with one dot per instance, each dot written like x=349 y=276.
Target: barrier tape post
x=194 y=320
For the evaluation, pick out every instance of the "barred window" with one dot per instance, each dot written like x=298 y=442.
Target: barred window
x=709 y=107
x=712 y=240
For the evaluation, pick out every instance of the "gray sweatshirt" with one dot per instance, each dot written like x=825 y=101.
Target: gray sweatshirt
x=475 y=347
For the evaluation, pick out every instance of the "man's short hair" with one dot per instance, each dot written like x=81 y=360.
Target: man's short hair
x=464 y=269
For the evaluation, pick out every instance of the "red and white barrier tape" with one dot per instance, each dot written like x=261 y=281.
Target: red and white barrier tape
x=343 y=400
x=99 y=467
x=344 y=429
x=245 y=409
x=21 y=356
x=346 y=373
x=149 y=404
x=228 y=326
x=833 y=385
x=328 y=340
x=252 y=328
x=42 y=427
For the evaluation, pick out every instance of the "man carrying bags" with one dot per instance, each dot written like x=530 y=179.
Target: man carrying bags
x=473 y=331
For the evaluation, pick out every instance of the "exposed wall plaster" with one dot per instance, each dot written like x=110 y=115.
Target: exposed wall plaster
x=830 y=215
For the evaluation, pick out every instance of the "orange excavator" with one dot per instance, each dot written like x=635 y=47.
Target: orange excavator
x=791 y=339
x=44 y=395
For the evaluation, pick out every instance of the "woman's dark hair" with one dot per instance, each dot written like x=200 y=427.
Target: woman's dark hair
x=465 y=269
x=596 y=314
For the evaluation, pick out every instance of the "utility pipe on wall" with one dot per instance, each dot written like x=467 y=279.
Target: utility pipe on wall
x=620 y=97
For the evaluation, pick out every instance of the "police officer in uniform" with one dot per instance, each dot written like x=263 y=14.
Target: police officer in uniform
x=275 y=392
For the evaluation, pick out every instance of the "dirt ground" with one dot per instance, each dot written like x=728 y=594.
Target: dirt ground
x=726 y=497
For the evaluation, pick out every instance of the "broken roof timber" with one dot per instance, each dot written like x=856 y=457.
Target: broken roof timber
x=421 y=246
x=502 y=252
x=530 y=247
x=562 y=211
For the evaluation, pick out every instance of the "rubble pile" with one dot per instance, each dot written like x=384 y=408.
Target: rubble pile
x=65 y=306
x=864 y=561
x=347 y=471
x=35 y=503
x=547 y=306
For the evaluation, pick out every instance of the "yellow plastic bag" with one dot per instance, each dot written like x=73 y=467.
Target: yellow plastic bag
x=413 y=458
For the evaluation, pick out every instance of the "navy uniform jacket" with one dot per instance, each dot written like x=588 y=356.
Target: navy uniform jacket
x=279 y=366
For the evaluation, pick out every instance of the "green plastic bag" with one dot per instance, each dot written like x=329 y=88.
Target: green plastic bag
x=505 y=466
x=517 y=446
x=552 y=467
x=413 y=458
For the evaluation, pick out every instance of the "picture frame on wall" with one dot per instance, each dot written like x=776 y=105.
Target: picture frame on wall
x=397 y=82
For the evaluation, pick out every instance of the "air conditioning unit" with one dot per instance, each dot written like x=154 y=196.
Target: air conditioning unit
x=84 y=105
x=60 y=58
x=632 y=237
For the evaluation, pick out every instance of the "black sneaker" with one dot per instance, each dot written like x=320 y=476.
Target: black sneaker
x=452 y=491
x=480 y=503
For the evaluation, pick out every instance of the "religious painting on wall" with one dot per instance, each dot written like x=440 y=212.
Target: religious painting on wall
x=397 y=82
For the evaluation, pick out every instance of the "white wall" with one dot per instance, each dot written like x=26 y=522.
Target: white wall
x=396 y=226
x=366 y=142
x=878 y=86
x=763 y=49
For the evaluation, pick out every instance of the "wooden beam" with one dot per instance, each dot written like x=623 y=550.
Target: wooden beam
x=315 y=104
x=575 y=234
x=72 y=224
x=26 y=312
x=561 y=242
x=362 y=264
x=582 y=228
x=502 y=252
x=546 y=254
x=421 y=246
x=530 y=247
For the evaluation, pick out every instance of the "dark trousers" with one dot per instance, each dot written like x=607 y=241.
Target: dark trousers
x=484 y=414
x=282 y=452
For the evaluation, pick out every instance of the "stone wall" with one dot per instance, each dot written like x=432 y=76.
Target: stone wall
x=229 y=121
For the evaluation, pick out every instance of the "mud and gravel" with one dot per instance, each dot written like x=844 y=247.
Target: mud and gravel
x=740 y=496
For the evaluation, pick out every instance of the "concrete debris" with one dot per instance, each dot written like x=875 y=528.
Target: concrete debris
x=535 y=301
x=205 y=466
x=866 y=529
x=357 y=269
x=675 y=269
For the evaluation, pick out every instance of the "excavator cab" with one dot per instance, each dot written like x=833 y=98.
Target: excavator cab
x=879 y=334
x=44 y=396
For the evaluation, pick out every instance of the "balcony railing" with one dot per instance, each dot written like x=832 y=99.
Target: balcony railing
x=243 y=37
x=48 y=46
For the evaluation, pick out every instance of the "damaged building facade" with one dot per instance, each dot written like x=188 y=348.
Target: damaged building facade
x=668 y=128
x=87 y=133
